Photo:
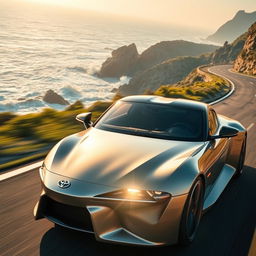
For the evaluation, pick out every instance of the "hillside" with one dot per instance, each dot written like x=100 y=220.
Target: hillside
x=246 y=61
x=234 y=27
x=229 y=52
x=25 y=138
x=198 y=85
x=126 y=60
x=170 y=71
x=175 y=69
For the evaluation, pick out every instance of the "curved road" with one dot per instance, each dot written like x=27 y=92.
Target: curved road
x=226 y=229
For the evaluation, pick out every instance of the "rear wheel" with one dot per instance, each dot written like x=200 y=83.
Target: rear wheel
x=192 y=213
x=240 y=165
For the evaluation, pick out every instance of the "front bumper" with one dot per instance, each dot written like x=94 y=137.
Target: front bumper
x=111 y=220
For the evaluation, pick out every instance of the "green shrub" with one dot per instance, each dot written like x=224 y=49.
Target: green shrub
x=6 y=116
x=199 y=90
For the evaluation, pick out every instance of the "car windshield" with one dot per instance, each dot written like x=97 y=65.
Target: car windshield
x=153 y=120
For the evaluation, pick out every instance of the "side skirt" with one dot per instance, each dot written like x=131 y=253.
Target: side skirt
x=225 y=176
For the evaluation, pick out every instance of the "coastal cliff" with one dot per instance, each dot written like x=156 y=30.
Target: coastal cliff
x=229 y=52
x=246 y=61
x=168 y=62
x=126 y=60
x=175 y=69
x=170 y=71
x=121 y=62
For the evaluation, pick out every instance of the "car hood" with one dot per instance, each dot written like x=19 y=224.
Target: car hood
x=117 y=159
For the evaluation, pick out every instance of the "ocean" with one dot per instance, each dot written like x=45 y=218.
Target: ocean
x=61 y=50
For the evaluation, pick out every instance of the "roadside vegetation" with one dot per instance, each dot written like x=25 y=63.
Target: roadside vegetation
x=205 y=91
x=25 y=138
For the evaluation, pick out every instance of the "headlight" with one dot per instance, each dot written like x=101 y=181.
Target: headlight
x=132 y=194
x=158 y=194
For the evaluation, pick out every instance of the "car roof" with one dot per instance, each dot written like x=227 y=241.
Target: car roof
x=163 y=100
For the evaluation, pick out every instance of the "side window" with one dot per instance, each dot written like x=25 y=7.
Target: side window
x=213 y=122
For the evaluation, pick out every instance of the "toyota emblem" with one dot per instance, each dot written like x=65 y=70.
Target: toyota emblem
x=64 y=183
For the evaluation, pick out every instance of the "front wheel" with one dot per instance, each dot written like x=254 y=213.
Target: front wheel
x=192 y=213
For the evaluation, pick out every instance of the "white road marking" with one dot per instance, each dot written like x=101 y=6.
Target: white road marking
x=228 y=94
x=250 y=126
x=20 y=171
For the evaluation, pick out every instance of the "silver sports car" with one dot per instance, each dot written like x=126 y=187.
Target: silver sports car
x=143 y=173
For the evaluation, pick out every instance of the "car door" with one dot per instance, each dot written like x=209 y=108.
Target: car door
x=216 y=152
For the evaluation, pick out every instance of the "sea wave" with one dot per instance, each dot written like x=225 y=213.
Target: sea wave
x=90 y=99
x=32 y=94
x=22 y=106
x=70 y=92
x=77 y=69
x=124 y=80
x=65 y=57
x=92 y=69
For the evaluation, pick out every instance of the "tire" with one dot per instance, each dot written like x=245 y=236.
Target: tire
x=239 y=169
x=192 y=213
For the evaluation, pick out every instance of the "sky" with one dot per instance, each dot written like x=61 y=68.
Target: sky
x=206 y=14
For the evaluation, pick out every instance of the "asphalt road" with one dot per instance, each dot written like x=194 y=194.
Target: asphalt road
x=226 y=229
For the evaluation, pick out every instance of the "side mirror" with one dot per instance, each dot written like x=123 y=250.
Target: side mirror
x=85 y=118
x=226 y=132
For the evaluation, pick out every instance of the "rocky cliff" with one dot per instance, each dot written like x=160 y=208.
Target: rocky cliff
x=246 y=61
x=229 y=52
x=126 y=60
x=173 y=70
x=233 y=28
x=54 y=98
x=165 y=50
x=121 y=62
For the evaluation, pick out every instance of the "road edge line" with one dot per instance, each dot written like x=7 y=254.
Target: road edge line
x=19 y=171
x=228 y=94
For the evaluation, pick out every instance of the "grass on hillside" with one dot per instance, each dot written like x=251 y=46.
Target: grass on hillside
x=22 y=136
x=199 y=90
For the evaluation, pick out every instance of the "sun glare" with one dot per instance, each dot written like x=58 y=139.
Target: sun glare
x=185 y=13
x=133 y=190
x=53 y=2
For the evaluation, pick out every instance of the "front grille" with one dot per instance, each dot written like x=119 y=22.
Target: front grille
x=71 y=216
